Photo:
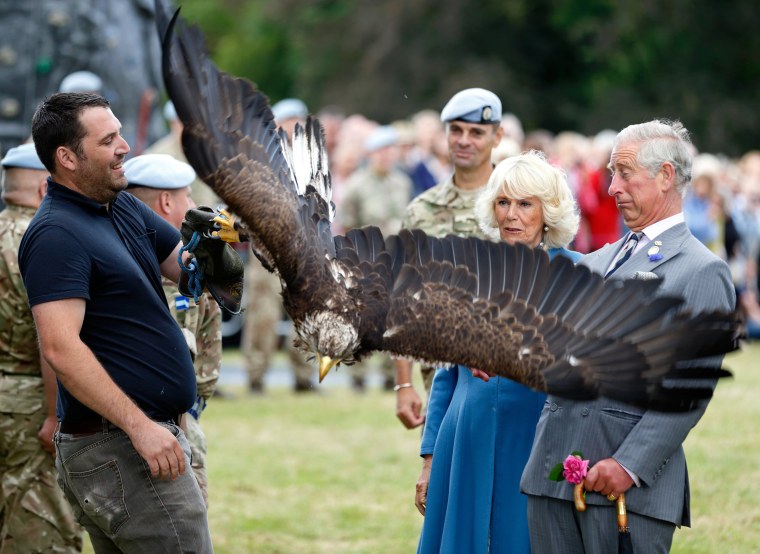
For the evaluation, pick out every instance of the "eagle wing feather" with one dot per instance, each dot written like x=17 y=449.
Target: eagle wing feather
x=231 y=141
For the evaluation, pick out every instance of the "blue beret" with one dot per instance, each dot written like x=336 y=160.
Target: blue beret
x=81 y=81
x=473 y=105
x=24 y=156
x=381 y=137
x=158 y=171
x=289 y=108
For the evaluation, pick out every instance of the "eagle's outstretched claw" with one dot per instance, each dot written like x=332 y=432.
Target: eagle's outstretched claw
x=228 y=228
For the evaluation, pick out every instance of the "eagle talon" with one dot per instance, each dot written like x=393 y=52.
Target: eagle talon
x=226 y=227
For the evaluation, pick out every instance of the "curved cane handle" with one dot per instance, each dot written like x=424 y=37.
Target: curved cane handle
x=579 y=497
x=622 y=515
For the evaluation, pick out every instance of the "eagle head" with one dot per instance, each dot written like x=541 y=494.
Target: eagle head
x=332 y=336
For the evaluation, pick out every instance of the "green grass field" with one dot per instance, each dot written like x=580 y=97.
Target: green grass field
x=335 y=472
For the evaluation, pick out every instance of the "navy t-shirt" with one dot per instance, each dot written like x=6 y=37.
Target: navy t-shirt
x=77 y=248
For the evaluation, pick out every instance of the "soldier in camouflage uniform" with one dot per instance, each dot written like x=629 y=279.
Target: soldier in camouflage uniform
x=376 y=194
x=163 y=183
x=201 y=323
x=472 y=119
x=34 y=514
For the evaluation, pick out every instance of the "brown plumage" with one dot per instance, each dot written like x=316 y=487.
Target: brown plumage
x=504 y=309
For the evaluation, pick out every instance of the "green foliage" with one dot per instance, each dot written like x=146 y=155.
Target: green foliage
x=556 y=473
x=247 y=41
x=557 y=64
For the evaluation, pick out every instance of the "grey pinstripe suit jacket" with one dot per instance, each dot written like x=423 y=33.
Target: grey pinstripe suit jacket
x=648 y=443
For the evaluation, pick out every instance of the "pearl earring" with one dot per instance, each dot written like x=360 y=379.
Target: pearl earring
x=546 y=228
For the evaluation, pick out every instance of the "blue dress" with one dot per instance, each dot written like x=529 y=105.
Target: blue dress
x=480 y=435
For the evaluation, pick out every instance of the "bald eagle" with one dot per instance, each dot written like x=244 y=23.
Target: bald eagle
x=507 y=310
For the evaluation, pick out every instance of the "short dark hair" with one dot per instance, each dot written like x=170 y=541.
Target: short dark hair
x=56 y=123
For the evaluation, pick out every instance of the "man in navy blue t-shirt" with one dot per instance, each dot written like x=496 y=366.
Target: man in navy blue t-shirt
x=92 y=261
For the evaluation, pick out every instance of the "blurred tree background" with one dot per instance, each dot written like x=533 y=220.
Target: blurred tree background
x=580 y=65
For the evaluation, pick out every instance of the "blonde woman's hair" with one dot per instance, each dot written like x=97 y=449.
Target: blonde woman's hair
x=529 y=174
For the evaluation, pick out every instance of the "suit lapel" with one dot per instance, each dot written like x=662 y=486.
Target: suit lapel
x=672 y=245
x=600 y=260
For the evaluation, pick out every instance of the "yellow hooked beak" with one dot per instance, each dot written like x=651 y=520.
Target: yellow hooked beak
x=326 y=363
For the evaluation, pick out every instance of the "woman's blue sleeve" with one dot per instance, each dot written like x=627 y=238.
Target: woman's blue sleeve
x=444 y=383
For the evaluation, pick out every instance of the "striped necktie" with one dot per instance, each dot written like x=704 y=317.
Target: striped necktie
x=625 y=252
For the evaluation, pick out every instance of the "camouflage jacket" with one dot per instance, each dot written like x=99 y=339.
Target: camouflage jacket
x=444 y=210
x=201 y=324
x=19 y=353
x=372 y=199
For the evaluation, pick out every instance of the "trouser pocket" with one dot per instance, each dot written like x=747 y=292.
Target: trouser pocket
x=100 y=494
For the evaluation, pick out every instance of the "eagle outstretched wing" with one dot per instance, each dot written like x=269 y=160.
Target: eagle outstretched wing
x=505 y=309
x=550 y=325
x=230 y=139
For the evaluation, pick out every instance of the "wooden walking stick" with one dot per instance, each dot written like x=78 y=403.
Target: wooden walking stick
x=625 y=546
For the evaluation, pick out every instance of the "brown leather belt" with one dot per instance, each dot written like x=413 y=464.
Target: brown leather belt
x=98 y=424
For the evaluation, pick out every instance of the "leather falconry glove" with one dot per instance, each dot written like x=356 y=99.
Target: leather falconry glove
x=220 y=266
